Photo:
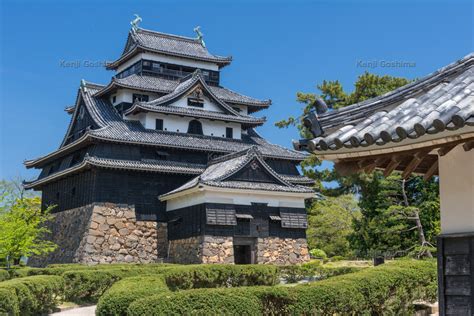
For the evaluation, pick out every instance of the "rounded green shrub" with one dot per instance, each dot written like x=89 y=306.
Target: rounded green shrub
x=210 y=276
x=4 y=275
x=9 y=304
x=34 y=295
x=196 y=302
x=116 y=300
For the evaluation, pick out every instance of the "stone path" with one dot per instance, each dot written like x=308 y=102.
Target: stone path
x=80 y=311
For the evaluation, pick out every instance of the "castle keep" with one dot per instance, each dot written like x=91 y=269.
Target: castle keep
x=163 y=163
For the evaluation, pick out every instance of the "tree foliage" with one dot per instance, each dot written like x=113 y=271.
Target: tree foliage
x=387 y=225
x=330 y=224
x=384 y=224
x=22 y=225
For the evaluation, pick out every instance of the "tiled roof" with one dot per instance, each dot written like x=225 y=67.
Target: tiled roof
x=161 y=85
x=168 y=44
x=113 y=128
x=218 y=172
x=244 y=119
x=444 y=100
x=160 y=105
x=162 y=166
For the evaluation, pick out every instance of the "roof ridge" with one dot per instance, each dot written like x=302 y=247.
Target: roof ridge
x=180 y=37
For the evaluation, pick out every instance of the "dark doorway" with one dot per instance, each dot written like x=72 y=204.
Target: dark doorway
x=242 y=254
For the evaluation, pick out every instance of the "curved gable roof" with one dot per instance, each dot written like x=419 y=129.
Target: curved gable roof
x=179 y=46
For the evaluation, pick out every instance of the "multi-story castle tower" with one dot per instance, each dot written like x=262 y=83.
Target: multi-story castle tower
x=164 y=162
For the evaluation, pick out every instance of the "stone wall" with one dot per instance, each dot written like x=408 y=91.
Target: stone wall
x=186 y=250
x=202 y=249
x=105 y=233
x=277 y=250
x=217 y=249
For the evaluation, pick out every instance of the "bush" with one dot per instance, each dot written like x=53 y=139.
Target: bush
x=88 y=285
x=318 y=253
x=4 y=275
x=117 y=299
x=337 y=258
x=295 y=273
x=196 y=302
x=31 y=295
x=9 y=304
x=388 y=289
x=210 y=276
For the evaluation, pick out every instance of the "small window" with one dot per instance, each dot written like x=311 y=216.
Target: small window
x=159 y=124
x=114 y=99
x=75 y=159
x=196 y=102
x=156 y=65
x=195 y=127
x=229 y=132
x=140 y=97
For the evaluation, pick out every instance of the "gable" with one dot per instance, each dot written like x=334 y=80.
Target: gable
x=254 y=171
x=199 y=101
x=81 y=121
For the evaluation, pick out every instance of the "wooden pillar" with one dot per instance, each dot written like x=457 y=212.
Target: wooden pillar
x=456 y=242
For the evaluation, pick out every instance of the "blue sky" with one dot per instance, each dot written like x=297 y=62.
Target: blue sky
x=279 y=48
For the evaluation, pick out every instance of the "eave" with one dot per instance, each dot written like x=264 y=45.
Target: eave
x=117 y=164
x=81 y=142
x=199 y=187
x=248 y=122
x=139 y=48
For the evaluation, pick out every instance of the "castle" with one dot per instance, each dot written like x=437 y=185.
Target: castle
x=163 y=163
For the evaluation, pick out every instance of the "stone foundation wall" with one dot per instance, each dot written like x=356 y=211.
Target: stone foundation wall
x=105 y=233
x=216 y=249
x=277 y=250
x=202 y=249
x=186 y=250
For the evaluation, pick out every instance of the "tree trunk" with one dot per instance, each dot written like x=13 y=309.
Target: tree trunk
x=419 y=226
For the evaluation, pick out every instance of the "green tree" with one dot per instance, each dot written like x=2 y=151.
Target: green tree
x=389 y=209
x=384 y=224
x=22 y=225
x=330 y=223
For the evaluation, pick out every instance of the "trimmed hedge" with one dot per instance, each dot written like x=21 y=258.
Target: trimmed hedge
x=196 y=302
x=31 y=295
x=4 y=275
x=211 y=276
x=296 y=273
x=117 y=299
x=386 y=289
x=89 y=285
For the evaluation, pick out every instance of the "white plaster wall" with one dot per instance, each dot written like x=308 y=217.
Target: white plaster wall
x=169 y=60
x=174 y=123
x=126 y=95
x=457 y=191
x=208 y=105
x=277 y=199
x=243 y=108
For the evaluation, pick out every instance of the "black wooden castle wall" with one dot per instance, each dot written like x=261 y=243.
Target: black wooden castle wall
x=140 y=189
x=456 y=274
x=191 y=221
x=137 y=188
